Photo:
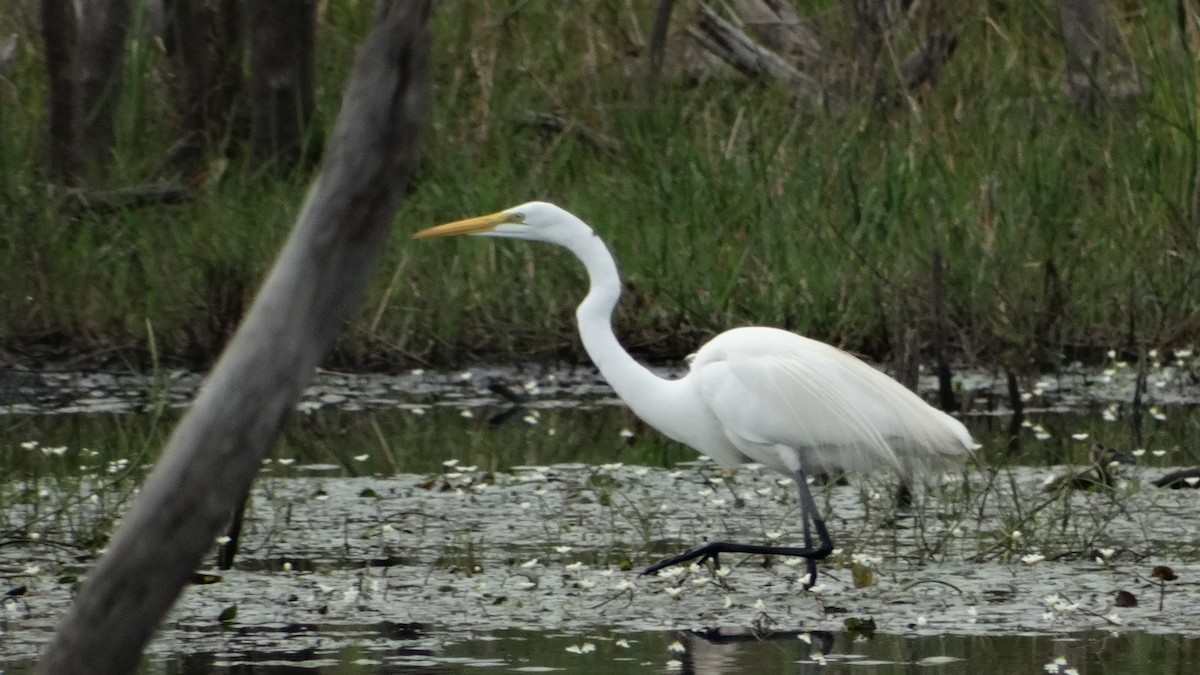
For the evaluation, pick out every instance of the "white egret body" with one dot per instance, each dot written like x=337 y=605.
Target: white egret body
x=752 y=394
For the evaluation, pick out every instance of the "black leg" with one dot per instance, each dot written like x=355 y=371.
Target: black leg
x=808 y=513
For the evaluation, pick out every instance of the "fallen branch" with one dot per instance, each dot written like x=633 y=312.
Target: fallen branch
x=560 y=124
x=150 y=194
x=739 y=50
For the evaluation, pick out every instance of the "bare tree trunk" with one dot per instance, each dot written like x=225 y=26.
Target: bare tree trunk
x=1100 y=68
x=203 y=39
x=217 y=449
x=8 y=53
x=281 y=77
x=58 y=36
x=656 y=50
x=99 y=60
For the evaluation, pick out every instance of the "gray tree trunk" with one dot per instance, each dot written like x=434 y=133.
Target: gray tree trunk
x=203 y=39
x=58 y=38
x=217 y=449
x=98 y=63
x=282 y=37
x=1100 y=68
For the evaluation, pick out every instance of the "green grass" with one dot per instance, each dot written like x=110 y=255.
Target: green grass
x=725 y=205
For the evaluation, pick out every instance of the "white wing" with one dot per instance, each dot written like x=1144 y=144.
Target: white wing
x=790 y=402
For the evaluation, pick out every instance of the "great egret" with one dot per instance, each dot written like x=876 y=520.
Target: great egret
x=752 y=394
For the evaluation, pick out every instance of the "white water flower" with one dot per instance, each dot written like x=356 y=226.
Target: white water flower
x=677 y=647
x=1033 y=558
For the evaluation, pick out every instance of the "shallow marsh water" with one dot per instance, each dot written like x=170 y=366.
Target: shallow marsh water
x=403 y=526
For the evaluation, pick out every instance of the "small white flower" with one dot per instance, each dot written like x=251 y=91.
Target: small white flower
x=287 y=461
x=1033 y=558
x=223 y=539
x=1080 y=436
x=30 y=445
x=563 y=549
x=466 y=413
x=418 y=411
x=362 y=458
x=1107 y=553
x=677 y=647
x=625 y=433
x=774 y=535
x=673 y=591
x=465 y=375
x=1016 y=534
x=622 y=643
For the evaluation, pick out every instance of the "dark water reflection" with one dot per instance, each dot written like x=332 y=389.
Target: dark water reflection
x=707 y=654
x=493 y=436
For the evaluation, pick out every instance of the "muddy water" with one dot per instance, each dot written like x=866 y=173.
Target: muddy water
x=431 y=524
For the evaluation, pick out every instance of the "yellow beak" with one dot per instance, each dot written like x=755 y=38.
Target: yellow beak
x=477 y=225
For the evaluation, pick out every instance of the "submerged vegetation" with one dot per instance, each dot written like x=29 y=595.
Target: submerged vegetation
x=1062 y=234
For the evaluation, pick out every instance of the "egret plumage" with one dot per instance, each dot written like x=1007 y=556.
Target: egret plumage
x=751 y=394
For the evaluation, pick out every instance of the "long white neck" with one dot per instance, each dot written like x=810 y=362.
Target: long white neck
x=632 y=381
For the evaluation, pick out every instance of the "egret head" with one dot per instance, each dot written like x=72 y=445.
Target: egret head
x=532 y=221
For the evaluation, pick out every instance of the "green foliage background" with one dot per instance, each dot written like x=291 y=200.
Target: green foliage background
x=726 y=203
